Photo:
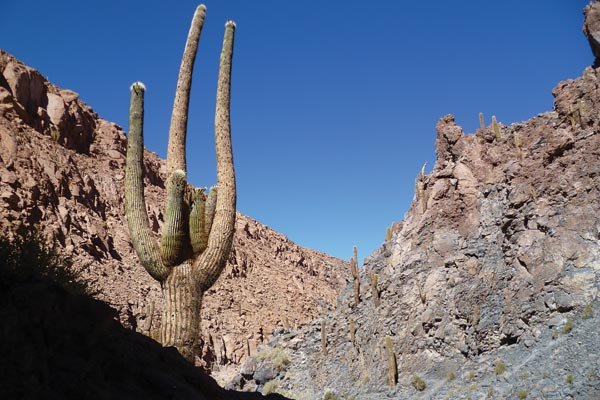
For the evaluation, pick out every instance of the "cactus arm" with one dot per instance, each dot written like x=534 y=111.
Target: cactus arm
x=198 y=236
x=174 y=239
x=210 y=264
x=179 y=117
x=144 y=244
x=211 y=206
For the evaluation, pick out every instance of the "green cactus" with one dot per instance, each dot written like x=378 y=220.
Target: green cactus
x=197 y=234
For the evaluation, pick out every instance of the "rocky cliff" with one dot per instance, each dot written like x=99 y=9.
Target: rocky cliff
x=489 y=287
x=62 y=170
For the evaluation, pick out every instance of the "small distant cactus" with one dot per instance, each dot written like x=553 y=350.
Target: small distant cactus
x=392 y=366
x=420 y=189
x=388 y=234
x=355 y=275
x=518 y=145
x=352 y=330
x=374 y=289
x=481 y=121
x=580 y=106
x=323 y=337
x=496 y=128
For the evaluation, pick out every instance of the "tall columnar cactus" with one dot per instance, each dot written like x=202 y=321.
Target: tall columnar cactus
x=356 y=276
x=481 y=121
x=323 y=337
x=392 y=365
x=197 y=234
x=375 y=289
x=496 y=128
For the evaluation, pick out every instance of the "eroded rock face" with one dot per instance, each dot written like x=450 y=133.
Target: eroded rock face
x=64 y=173
x=504 y=254
x=44 y=107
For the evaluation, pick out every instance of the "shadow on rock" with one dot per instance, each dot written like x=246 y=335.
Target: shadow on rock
x=59 y=345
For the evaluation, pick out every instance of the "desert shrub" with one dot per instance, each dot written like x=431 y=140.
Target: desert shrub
x=28 y=259
x=277 y=356
x=570 y=379
x=588 y=311
x=269 y=387
x=500 y=367
x=450 y=376
x=567 y=327
x=418 y=383
x=330 y=395
x=522 y=394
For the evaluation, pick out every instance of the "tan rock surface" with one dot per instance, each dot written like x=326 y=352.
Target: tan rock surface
x=62 y=169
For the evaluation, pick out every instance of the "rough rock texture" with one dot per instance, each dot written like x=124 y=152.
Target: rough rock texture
x=490 y=285
x=591 y=27
x=62 y=169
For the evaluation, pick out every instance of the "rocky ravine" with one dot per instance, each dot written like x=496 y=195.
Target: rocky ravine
x=62 y=169
x=490 y=285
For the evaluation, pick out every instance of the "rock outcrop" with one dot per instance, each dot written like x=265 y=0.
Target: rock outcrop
x=489 y=287
x=62 y=170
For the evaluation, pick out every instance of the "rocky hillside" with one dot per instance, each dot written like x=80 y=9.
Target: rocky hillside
x=489 y=287
x=62 y=170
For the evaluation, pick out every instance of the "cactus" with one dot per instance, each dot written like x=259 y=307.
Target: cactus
x=388 y=234
x=420 y=189
x=352 y=330
x=323 y=337
x=580 y=106
x=392 y=366
x=481 y=121
x=374 y=289
x=518 y=145
x=197 y=235
x=496 y=128
x=355 y=275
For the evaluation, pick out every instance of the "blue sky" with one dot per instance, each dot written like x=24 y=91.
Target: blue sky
x=333 y=103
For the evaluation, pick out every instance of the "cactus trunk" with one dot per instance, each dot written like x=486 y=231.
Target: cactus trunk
x=180 y=325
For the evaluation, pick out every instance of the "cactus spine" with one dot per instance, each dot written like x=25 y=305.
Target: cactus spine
x=198 y=231
x=392 y=366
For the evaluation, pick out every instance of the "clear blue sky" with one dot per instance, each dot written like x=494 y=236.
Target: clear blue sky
x=334 y=102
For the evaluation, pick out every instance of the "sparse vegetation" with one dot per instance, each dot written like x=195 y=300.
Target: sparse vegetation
x=330 y=395
x=500 y=367
x=522 y=394
x=471 y=375
x=269 y=387
x=418 y=383
x=524 y=376
x=277 y=356
x=27 y=259
x=450 y=376
x=567 y=327
x=569 y=379
x=588 y=311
